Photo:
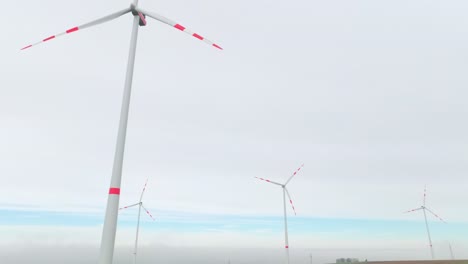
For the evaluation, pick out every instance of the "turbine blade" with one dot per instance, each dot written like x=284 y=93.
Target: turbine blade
x=149 y=214
x=86 y=25
x=294 y=174
x=290 y=200
x=269 y=181
x=176 y=25
x=143 y=191
x=410 y=211
x=424 y=199
x=128 y=206
x=438 y=217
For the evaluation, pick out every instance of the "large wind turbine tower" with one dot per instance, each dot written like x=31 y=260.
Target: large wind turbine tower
x=139 y=19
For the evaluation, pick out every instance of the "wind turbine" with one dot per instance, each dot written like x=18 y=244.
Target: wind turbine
x=285 y=192
x=424 y=209
x=139 y=19
x=140 y=205
x=451 y=252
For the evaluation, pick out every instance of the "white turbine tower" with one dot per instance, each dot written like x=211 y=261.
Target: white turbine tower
x=139 y=19
x=140 y=205
x=424 y=209
x=285 y=192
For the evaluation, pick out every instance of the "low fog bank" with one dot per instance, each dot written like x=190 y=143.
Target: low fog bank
x=80 y=254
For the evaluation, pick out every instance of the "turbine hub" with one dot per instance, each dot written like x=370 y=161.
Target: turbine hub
x=142 y=16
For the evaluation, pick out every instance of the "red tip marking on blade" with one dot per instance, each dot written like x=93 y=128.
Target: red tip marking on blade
x=27 y=47
x=216 y=46
x=149 y=214
x=179 y=27
x=49 y=38
x=286 y=246
x=72 y=30
x=114 y=191
x=197 y=36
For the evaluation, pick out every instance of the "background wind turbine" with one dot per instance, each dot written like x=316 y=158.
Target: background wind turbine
x=424 y=209
x=285 y=192
x=451 y=252
x=139 y=19
x=140 y=205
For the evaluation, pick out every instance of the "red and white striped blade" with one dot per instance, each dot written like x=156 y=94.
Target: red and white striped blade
x=290 y=201
x=143 y=191
x=424 y=199
x=294 y=174
x=178 y=26
x=74 y=29
x=148 y=213
x=438 y=217
x=413 y=210
x=128 y=206
x=268 y=181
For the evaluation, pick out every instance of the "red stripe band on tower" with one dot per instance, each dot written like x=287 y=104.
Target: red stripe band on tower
x=286 y=247
x=72 y=30
x=114 y=191
x=197 y=36
x=179 y=27
x=49 y=38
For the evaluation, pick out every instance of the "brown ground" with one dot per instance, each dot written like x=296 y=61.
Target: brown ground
x=420 y=262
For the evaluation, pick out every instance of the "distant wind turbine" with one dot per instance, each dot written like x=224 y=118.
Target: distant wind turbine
x=424 y=209
x=139 y=19
x=451 y=252
x=285 y=192
x=140 y=205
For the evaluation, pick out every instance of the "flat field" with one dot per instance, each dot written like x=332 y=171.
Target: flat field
x=420 y=262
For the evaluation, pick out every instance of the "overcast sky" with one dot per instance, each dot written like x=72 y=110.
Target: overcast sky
x=369 y=95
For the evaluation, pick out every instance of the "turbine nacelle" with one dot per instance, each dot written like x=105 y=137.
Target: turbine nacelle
x=142 y=16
